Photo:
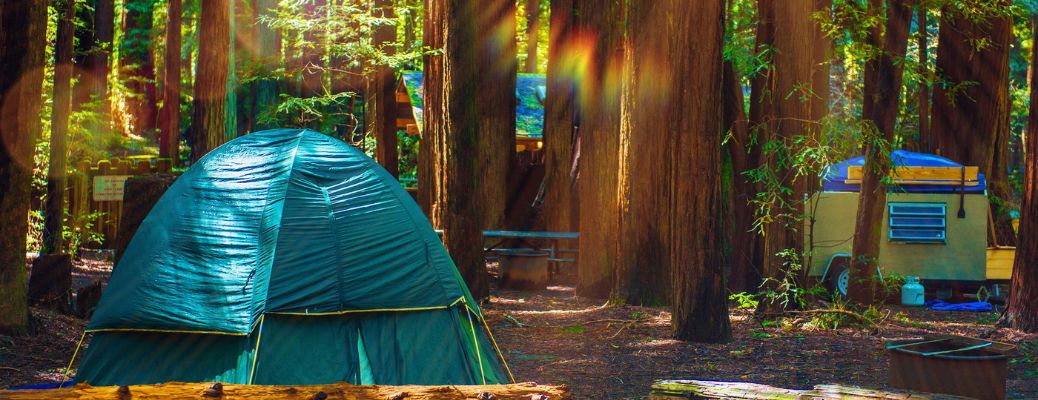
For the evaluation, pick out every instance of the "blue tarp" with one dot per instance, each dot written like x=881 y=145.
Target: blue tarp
x=44 y=386
x=975 y=306
x=836 y=175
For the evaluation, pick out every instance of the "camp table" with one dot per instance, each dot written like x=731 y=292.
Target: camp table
x=528 y=237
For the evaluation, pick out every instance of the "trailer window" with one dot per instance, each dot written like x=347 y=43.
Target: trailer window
x=917 y=222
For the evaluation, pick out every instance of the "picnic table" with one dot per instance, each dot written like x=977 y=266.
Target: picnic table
x=541 y=240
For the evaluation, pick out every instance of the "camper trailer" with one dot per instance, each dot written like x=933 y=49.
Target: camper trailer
x=934 y=225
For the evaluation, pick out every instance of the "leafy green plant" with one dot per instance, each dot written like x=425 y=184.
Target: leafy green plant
x=744 y=301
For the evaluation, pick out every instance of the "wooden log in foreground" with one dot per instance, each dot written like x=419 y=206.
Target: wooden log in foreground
x=338 y=391
x=693 y=389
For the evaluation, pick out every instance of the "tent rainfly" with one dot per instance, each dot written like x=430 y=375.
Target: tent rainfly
x=288 y=257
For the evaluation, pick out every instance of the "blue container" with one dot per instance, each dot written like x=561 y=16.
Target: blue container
x=912 y=292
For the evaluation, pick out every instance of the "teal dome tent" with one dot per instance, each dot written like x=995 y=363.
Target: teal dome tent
x=288 y=257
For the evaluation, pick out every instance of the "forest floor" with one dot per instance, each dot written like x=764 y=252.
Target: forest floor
x=616 y=352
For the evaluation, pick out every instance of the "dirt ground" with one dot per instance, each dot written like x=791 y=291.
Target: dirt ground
x=616 y=352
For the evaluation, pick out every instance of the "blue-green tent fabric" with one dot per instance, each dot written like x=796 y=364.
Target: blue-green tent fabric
x=288 y=257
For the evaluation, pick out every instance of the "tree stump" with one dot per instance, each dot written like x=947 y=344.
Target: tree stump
x=87 y=298
x=140 y=195
x=50 y=283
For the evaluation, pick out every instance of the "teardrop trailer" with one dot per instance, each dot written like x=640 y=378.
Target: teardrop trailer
x=934 y=225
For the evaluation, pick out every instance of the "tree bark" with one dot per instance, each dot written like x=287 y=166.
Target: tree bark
x=1023 y=303
x=382 y=96
x=671 y=172
x=971 y=112
x=449 y=187
x=54 y=214
x=798 y=92
x=137 y=63
x=599 y=37
x=560 y=133
x=208 y=118
x=497 y=101
x=533 y=29
x=744 y=273
x=23 y=35
x=98 y=63
x=879 y=111
x=170 y=137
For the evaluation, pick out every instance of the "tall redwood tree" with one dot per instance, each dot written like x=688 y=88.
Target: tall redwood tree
x=208 y=118
x=600 y=25
x=1023 y=304
x=23 y=35
x=54 y=213
x=170 y=113
x=970 y=119
x=560 y=133
x=137 y=64
x=382 y=93
x=796 y=96
x=671 y=124
x=879 y=111
x=448 y=185
x=497 y=68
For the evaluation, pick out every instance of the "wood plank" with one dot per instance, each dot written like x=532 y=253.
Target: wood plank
x=402 y=122
x=1000 y=263
x=402 y=97
x=913 y=182
x=177 y=390
x=921 y=173
x=686 y=389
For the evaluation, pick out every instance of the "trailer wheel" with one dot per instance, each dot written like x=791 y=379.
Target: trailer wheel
x=839 y=278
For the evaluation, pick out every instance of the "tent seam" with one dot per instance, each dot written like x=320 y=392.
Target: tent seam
x=277 y=234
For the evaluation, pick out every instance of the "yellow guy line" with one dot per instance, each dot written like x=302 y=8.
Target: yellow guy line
x=255 y=352
x=498 y=349
x=69 y=368
x=479 y=357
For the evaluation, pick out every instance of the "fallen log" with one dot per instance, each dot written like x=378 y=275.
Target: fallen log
x=693 y=389
x=337 y=391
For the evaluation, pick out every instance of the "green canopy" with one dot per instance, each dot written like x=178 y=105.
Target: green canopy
x=288 y=257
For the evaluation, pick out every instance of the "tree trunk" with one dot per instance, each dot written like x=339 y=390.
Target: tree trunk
x=798 y=84
x=533 y=34
x=761 y=121
x=449 y=185
x=925 y=141
x=208 y=118
x=137 y=64
x=597 y=115
x=23 y=34
x=382 y=95
x=671 y=133
x=560 y=134
x=744 y=272
x=170 y=138
x=879 y=111
x=971 y=113
x=98 y=63
x=496 y=102
x=54 y=214
x=1023 y=303
x=267 y=55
